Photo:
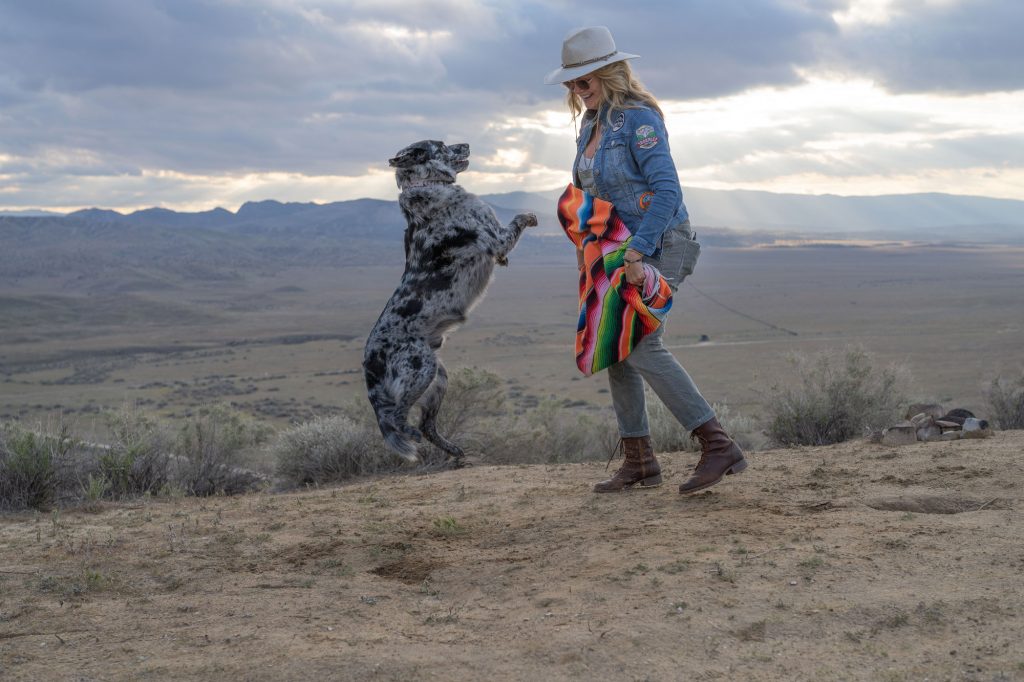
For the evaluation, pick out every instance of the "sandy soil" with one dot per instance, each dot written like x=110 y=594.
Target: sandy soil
x=851 y=562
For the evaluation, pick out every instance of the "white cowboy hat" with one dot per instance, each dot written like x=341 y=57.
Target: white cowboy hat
x=585 y=50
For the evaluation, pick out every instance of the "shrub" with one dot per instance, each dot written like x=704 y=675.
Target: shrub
x=549 y=434
x=743 y=429
x=474 y=401
x=1006 y=398
x=210 y=448
x=34 y=467
x=473 y=396
x=329 y=449
x=833 y=399
x=475 y=416
x=139 y=457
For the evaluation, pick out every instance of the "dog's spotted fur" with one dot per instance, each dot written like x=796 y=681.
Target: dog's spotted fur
x=452 y=242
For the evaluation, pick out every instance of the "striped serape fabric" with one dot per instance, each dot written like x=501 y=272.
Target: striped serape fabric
x=614 y=315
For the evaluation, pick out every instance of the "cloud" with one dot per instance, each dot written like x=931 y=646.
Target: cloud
x=688 y=49
x=965 y=46
x=119 y=96
x=809 y=139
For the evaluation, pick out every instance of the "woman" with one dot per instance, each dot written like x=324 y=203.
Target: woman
x=623 y=157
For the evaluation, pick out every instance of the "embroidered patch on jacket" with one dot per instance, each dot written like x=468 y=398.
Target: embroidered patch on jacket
x=645 y=200
x=645 y=137
x=620 y=121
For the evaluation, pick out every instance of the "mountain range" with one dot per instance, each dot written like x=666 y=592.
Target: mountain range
x=915 y=217
x=922 y=217
x=218 y=243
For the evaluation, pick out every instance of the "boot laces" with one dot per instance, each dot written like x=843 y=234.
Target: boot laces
x=621 y=447
x=703 y=448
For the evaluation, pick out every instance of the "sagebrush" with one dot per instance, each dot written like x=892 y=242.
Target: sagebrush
x=833 y=397
x=329 y=449
x=209 y=450
x=475 y=414
x=138 y=460
x=213 y=449
x=205 y=454
x=35 y=468
x=1006 y=398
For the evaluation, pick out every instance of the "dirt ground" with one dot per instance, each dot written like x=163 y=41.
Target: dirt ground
x=851 y=562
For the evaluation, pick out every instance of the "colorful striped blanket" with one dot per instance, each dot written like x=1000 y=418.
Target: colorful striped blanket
x=614 y=315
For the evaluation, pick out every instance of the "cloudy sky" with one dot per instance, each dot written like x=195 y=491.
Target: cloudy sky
x=191 y=104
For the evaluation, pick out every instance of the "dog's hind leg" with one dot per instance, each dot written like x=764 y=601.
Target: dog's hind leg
x=407 y=374
x=430 y=404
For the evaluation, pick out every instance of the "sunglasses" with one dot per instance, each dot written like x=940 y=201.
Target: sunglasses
x=582 y=84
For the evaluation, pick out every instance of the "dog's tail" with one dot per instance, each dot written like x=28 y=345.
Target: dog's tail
x=399 y=436
x=397 y=433
x=402 y=444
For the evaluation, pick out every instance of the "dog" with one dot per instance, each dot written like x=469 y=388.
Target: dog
x=452 y=243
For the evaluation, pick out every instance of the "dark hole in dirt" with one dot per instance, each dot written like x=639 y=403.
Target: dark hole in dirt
x=934 y=504
x=408 y=570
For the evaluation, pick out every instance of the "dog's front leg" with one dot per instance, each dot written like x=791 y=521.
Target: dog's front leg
x=511 y=234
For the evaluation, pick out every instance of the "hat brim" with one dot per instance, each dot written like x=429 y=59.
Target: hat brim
x=562 y=75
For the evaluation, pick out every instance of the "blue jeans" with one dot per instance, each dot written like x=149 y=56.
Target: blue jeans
x=650 y=361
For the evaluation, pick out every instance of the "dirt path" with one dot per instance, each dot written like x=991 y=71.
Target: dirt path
x=816 y=564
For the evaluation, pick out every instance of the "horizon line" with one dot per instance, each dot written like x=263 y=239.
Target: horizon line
x=127 y=212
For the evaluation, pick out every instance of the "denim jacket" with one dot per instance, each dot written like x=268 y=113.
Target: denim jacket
x=633 y=169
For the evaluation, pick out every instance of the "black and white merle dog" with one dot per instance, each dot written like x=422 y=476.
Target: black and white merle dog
x=452 y=242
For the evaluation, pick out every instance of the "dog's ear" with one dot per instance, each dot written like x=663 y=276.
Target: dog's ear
x=408 y=157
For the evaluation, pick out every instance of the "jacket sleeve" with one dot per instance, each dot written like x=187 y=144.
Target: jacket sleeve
x=650 y=150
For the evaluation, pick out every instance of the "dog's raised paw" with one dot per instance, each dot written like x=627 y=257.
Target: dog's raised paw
x=527 y=219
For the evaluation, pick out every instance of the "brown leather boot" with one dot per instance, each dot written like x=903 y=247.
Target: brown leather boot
x=719 y=457
x=640 y=467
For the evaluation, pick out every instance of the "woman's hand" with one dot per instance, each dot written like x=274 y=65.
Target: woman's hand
x=634 y=262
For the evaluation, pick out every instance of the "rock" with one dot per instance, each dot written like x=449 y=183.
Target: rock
x=922 y=419
x=974 y=424
x=944 y=425
x=957 y=415
x=931 y=409
x=976 y=428
x=929 y=432
x=952 y=435
x=900 y=434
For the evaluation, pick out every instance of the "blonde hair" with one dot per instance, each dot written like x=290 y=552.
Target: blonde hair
x=620 y=89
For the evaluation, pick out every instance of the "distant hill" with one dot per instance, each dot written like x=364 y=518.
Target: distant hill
x=101 y=250
x=162 y=245
x=898 y=216
x=32 y=213
x=923 y=217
